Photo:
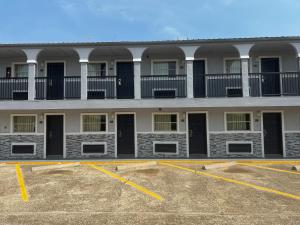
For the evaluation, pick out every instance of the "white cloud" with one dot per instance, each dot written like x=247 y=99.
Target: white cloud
x=172 y=32
x=70 y=7
x=228 y=2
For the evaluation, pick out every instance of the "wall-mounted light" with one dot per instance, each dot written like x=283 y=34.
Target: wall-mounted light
x=112 y=118
x=182 y=117
x=258 y=114
x=41 y=119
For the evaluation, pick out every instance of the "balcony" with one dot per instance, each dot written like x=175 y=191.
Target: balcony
x=101 y=87
x=55 y=88
x=164 y=86
x=274 y=84
x=218 y=85
x=14 y=88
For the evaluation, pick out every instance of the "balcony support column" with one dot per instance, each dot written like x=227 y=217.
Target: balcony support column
x=137 y=79
x=31 y=81
x=245 y=76
x=84 y=82
x=32 y=55
x=189 y=52
x=84 y=54
x=190 y=77
x=244 y=50
x=137 y=53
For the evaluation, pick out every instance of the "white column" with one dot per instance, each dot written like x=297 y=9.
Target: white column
x=137 y=53
x=137 y=79
x=189 y=52
x=245 y=76
x=244 y=50
x=190 y=78
x=32 y=55
x=84 y=54
x=31 y=80
x=83 y=74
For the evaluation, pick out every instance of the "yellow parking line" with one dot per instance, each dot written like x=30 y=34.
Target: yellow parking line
x=242 y=183
x=268 y=168
x=21 y=183
x=130 y=183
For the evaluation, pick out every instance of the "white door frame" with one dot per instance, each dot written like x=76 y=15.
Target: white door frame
x=116 y=132
x=282 y=131
x=45 y=132
x=187 y=131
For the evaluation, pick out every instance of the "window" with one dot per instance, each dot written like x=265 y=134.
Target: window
x=232 y=66
x=166 y=147
x=239 y=147
x=23 y=148
x=97 y=69
x=21 y=70
x=238 y=121
x=24 y=124
x=94 y=148
x=165 y=122
x=164 y=68
x=94 y=123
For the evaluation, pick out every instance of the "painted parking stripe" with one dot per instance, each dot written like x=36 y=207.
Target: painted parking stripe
x=130 y=183
x=268 y=168
x=242 y=183
x=23 y=191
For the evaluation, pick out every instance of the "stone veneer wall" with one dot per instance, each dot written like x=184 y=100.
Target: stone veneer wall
x=292 y=145
x=73 y=145
x=218 y=144
x=145 y=144
x=7 y=140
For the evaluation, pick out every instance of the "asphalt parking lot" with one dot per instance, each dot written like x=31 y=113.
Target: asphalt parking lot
x=173 y=192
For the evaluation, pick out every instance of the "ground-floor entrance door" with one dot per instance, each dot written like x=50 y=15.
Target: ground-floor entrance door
x=54 y=136
x=197 y=135
x=125 y=135
x=272 y=130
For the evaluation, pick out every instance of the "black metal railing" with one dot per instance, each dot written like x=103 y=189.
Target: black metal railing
x=14 y=88
x=164 y=86
x=101 y=87
x=68 y=87
x=274 y=84
x=218 y=85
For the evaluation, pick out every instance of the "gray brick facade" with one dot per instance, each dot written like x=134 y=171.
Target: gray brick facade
x=145 y=144
x=292 y=145
x=73 y=145
x=218 y=144
x=7 y=140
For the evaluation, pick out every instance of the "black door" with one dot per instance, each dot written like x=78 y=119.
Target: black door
x=55 y=135
x=125 y=134
x=272 y=129
x=270 y=76
x=199 y=78
x=55 y=81
x=125 y=80
x=197 y=134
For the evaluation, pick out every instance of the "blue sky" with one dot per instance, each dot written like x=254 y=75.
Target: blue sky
x=114 y=20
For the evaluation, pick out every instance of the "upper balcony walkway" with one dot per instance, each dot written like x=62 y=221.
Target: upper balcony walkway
x=150 y=71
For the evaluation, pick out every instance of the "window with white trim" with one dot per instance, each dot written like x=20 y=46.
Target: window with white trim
x=21 y=70
x=24 y=124
x=165 y=122
x=232 y=65
x=93 y=123
x=97 y=69
x=164 y=68
x=238 y=121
